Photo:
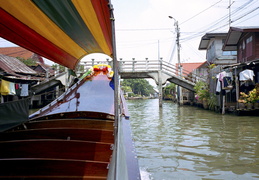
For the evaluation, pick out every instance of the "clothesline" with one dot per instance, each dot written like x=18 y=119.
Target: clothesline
x=224 y=79
x=10 y=88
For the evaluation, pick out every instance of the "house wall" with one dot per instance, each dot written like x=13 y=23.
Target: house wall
x=248 y=48
x=256 y=46
x=201 y=72
x=213 y=50
x=216 y=55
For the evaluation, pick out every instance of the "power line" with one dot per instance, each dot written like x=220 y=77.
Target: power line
x=247 y=13
x=208 y=28
x=212 y=27
x=154 y=29
x=143 y=43
x=248 y=18
x=216 y=25
x=200 y=12
x=220 y=20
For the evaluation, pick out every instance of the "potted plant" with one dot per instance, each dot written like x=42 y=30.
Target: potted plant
x=202 y=93
x=250 y=99
x=212 y=102
x=253 y=96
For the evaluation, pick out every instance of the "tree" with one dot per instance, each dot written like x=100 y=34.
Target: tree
x=169 y=89
x=138 y=86
x=80 y=68
x=28 y=62
x=58 y=66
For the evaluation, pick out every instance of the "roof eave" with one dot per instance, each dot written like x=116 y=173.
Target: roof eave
x=234 y=35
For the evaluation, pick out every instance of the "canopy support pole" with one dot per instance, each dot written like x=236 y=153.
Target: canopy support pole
x=116 y=89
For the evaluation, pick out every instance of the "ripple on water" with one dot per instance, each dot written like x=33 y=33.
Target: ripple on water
x=191 y=143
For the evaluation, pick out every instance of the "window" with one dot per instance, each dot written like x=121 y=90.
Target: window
x=244 y=45
x=250 y=39
x=229 y=53
x=249 y=46
x=211 y=52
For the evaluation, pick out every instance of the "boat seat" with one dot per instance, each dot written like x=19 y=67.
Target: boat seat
x=53 y=169
x=75 y=123
x=96 y=135
x=58 y=149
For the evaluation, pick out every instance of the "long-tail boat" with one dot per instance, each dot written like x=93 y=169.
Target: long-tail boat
x=85 y=133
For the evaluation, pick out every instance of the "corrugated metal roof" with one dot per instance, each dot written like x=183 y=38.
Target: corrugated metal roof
x=12 y=65
x=16 y=52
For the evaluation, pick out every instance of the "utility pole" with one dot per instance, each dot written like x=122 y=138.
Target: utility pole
x=179 y=88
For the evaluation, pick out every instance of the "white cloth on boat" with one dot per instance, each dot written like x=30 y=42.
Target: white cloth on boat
x=24 y=90
x=246 y=75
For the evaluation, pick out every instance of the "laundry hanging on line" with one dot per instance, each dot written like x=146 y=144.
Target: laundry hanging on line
x=10 y=88
x=246 y=75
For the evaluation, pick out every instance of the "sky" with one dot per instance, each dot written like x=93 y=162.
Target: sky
x=144 y=30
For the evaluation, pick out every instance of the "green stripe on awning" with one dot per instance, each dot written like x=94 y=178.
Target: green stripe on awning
x=64 y=15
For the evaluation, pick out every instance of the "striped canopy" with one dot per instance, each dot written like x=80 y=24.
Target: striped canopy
x=63 y=31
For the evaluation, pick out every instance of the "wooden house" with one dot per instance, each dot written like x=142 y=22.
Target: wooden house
x=40 y=83
x=244 y=40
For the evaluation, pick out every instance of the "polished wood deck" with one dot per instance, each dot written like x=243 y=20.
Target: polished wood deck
x=97 y=135
x=57 y=149
x=52 y=169
x=75 y=123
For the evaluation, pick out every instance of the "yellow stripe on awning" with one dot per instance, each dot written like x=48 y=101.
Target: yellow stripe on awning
x=92 y=22
x=26 y=12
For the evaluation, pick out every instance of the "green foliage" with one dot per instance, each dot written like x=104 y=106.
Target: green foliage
x=211 y=66
x=138 y=86
x=81 y=68
x=56 y=66
x=251 y=97
x=201 y=90
x=212 y=101
x=169 y=89
x=131 y=94
x=126 y=89
x=28 y=62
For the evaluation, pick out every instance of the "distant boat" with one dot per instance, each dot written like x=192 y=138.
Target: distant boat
x=74 y=137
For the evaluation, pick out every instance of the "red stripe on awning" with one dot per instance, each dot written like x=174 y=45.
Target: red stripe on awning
x=103 y=15
x=20 y=34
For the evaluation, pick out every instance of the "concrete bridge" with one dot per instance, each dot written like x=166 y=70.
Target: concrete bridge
x=159 y=70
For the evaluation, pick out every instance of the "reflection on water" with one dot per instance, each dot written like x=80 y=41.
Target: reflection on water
x=31 y=111
x=184 y=142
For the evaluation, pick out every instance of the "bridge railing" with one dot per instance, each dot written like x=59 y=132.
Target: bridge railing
x=180 y=72
x=148 y=65
x=137 y=66
x=88 y=64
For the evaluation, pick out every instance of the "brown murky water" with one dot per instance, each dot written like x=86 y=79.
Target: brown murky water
x=184 y=142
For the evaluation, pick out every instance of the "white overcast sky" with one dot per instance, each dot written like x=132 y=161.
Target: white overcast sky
x=144 y=30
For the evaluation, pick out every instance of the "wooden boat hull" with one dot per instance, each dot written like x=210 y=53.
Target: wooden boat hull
x=65 y=141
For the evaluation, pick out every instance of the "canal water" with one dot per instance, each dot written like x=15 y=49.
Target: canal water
x=185 y=142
